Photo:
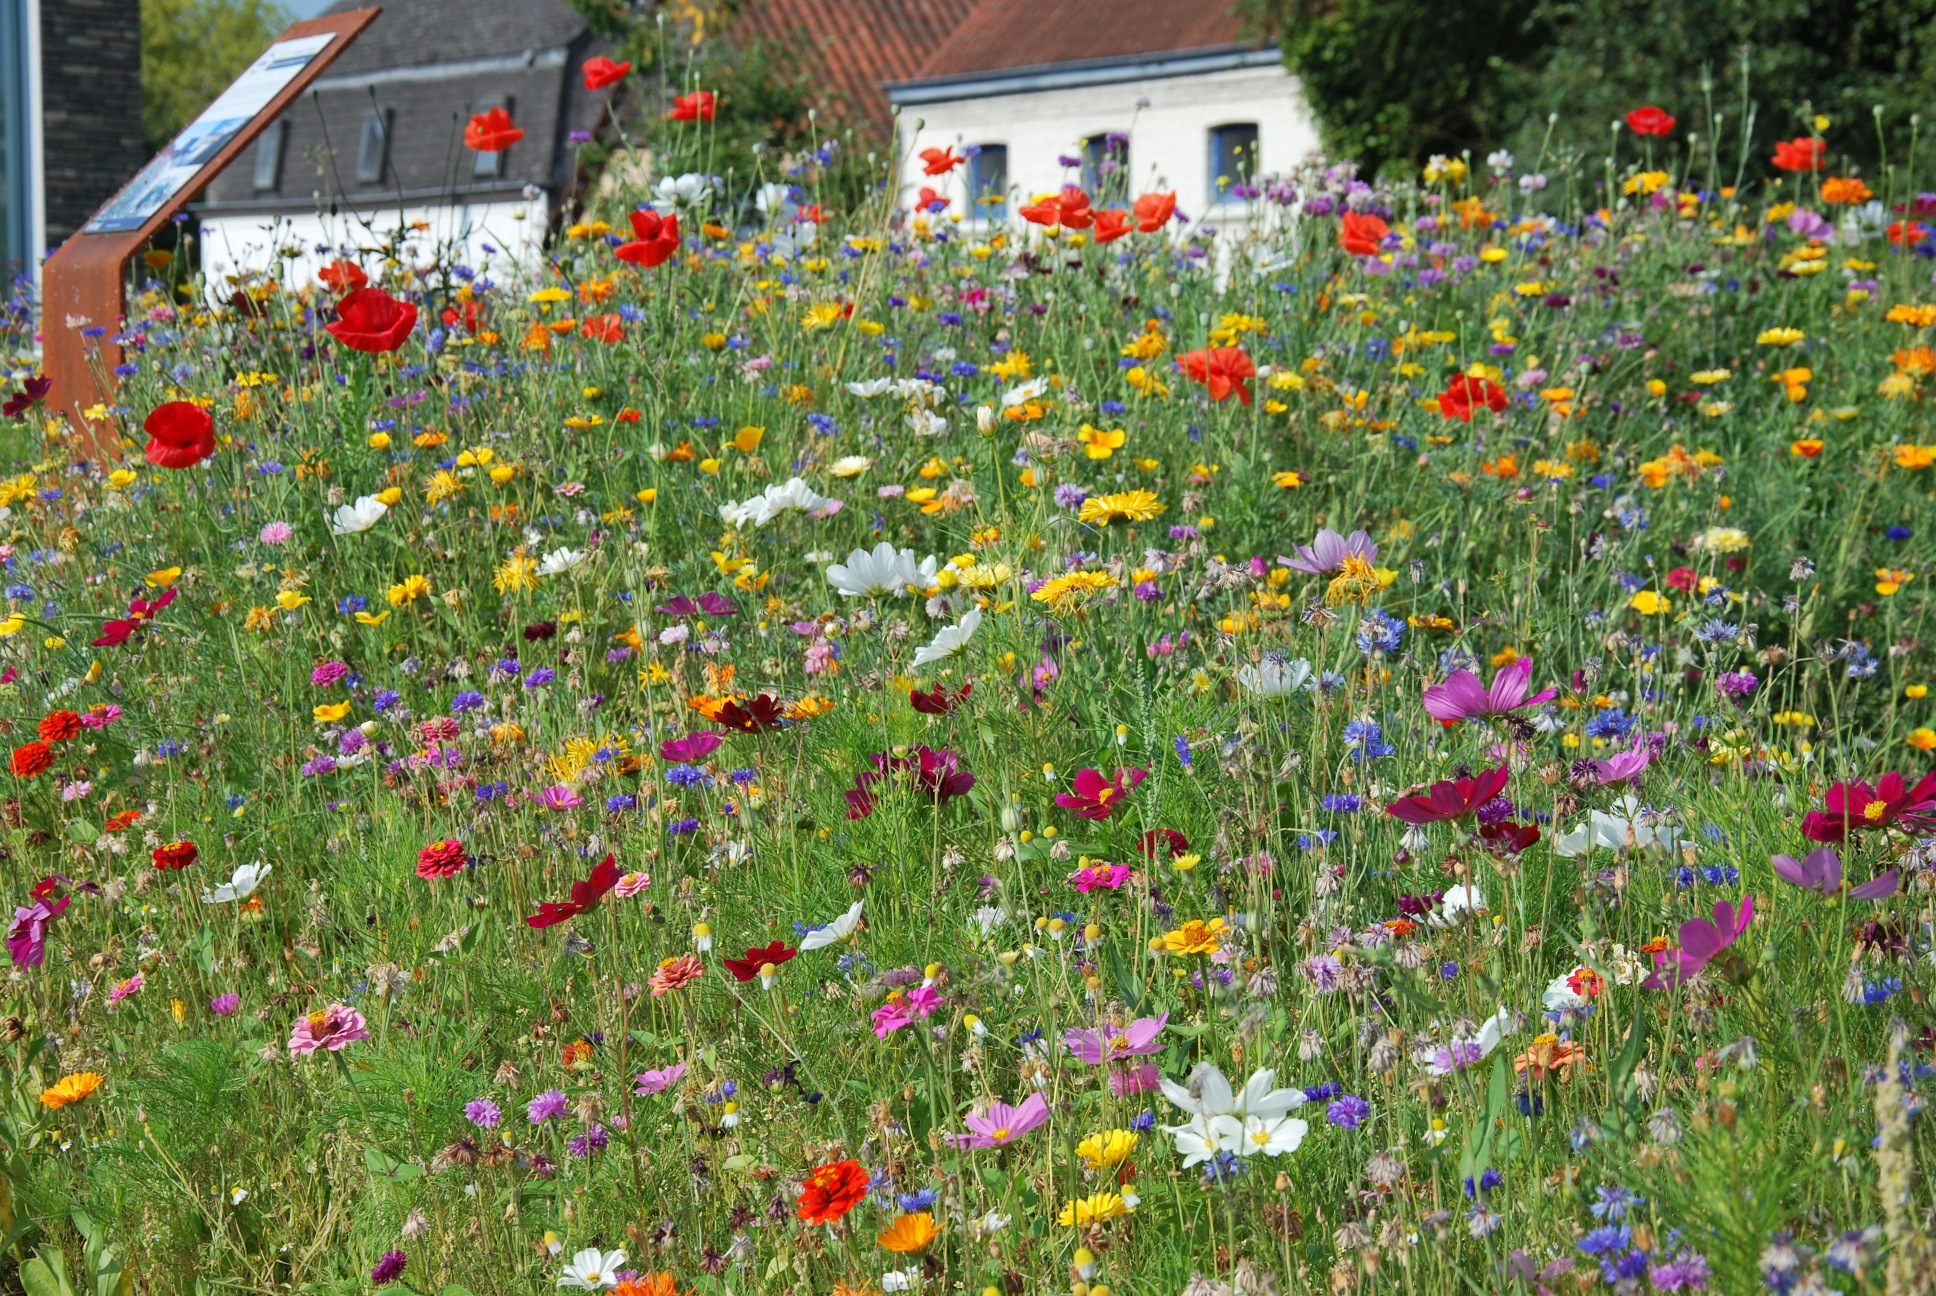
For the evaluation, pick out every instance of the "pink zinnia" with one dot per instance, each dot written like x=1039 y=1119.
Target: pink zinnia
x=129 y=987
x=442 y=859
x=676 y=972
x=329 y=673
x=334 y=1028
x=1102 y=874
x=903 y=1010
x=1004 y=1124
x=632 y=884
x=1096 y=1046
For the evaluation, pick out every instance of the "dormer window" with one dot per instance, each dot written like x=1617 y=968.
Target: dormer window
x=373 y=147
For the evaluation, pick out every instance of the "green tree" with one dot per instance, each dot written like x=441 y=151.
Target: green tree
x=191 y=50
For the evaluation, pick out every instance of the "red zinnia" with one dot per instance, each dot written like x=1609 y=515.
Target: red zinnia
x=1907 y=233
x=1650 y=120
x=441 y=859
x=939 y=161
x=1223 y=370
x=1153 y=211
x=1802 y=154
x=371 y=320
x=1449 y=799
x=832 y=1190
x=176 y=855
x=1465 y=395
x=491 y=132
x=59 y=726
x=1360 y=234
x=180 y=435
x=697 y=106
x=584 y=896
x=31 y=759
x=601 y=72
x=745 y=969
x=655 y=239
x=1111 y=224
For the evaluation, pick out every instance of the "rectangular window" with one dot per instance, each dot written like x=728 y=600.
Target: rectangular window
x=268 y=156
x=373 y=147
x=1233 y=158
x=988 y=183
x=488 y=166
x=1105 y=163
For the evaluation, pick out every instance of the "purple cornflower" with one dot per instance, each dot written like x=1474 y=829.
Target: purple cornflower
x=483 y=1113
x=389 y=1268
x=1348 y=1112
x=225 y=1005
x=548 y=1105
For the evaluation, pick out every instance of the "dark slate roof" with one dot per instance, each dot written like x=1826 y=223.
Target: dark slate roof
x=852 y=46
x=426 y=66
x=1010 y=35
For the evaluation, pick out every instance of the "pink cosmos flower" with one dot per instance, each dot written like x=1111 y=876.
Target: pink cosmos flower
x=1701 y=942
x=1820 y=871
x=334 y=1028
x=653 y=1082
x=1097 y=1046
x=1004 y=1124
x=559 y=797
x=1328 y=550
x=1128 y=1081
x=1103 y=874
x=1621 y=766
x=129 y=987
x=1462 y=697
x=27 y=936
x=691 y=749
x=1095 y=797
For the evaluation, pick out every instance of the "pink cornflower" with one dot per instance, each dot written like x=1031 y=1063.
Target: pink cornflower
x=1110 y=1044
x=277 y=533
x=1004 y=1124
x=334 y=1028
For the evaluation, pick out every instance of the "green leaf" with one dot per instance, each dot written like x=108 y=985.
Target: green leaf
x=1127 y=984
x=46 y=1275
x=384 y=1167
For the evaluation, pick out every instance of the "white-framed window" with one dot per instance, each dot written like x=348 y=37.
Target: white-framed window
x=988 y=182
x=1233 y=158
x=1105 y=162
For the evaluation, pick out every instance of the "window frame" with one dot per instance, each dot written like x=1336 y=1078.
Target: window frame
x=994 y=212
x=381 y=119
x=266 y=175
x=1221 y=193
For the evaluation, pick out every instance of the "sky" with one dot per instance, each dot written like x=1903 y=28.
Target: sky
x=306 y=8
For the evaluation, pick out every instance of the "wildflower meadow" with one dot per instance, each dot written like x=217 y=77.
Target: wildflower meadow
x=1364 y=737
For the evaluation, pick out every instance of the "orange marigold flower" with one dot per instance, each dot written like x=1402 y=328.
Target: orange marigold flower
x=71 y=1089
x=1845 y=189
x=910 y=1233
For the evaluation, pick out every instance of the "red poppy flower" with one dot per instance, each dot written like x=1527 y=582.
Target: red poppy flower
x=601 y=72
x=584 y=897
x=1907 y=233
x=115 y=633
x=930 y=201
x=1359 y=234
x=1859 y=806
x=30 y=759
x=603 y=328
x=343 y=276
x=371 y=320
x=58 y=726
x=1649 y=120
x=1153 y=211
x=938 y=701
x=180 y=435
x=745 y=969
x=1164 y=840
x=1802 y=154
x=655 y=239
x=175 y=855
x=1111 y=224
x=700 y=105
x=469 y=313
x=1221 y=369
x=442 y=859
x=1450 y=799
x=832 y=1190
x=759 y=714
x=939 y=161
x=1465 y=395
x=491 y=132
x=1094 y=797
x=1069 y=208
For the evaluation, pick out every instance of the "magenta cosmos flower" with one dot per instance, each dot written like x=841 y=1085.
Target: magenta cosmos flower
x=1622 y=765
x=1003 y=1124
x=1820 y=871
x=1094 y=797
x=334 y=1028
x=1462 y=697
x=27 y=936
x=1328 y=550
x=1701 y=942
x=1111 y=1045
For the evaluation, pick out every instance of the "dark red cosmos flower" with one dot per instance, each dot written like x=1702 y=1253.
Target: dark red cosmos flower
x=373 y=321
x=584 y=897
x=491 y=132
x=745 y=969
x=1450 y=799
x=697 y=106
x=1111 y=224
x=140 y=611
x=758 y=715
x=1803 y=154
x=1223 y=370
x=693 y=747
x=31 y=394
x=1360 y=233
x=175 y=855
x=1859 y=806
x=938 y=701
x=936 y=775
x=1507 y=837
x=1650 y=120
x=1160 y=840
x=180 y=434
x=656 y=239
x=601 y=72
x=1464 y=395
x=343 y=276
x=1094 y=797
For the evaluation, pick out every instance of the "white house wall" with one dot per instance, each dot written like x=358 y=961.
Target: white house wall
x=1169 y=136
x=251 y=244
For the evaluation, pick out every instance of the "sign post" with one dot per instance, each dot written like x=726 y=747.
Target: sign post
x=83 y=284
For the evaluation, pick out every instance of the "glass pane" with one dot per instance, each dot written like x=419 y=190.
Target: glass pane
x=370 y=150
x=268 y=156
x=1233 y=158
x=988 y=183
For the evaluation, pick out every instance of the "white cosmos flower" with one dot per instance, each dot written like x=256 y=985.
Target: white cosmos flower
x=871 y=387
x=923 y=422
x=688 y=190
x=1268 y=1136
x=791 y=495
x=774 y=198
x=837 y=930
x=241 y=885
x=1610 y=831
x=1203 y=1137
x=850 y=465
x=1455 y=904
x=560 y=561
x=1025 y=392
x=950 y=640
x=360 y=516
x=1208 y=1094
x=593 y=1270
x=1271 y=678
x=1465 y=1050
x=885 y=570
